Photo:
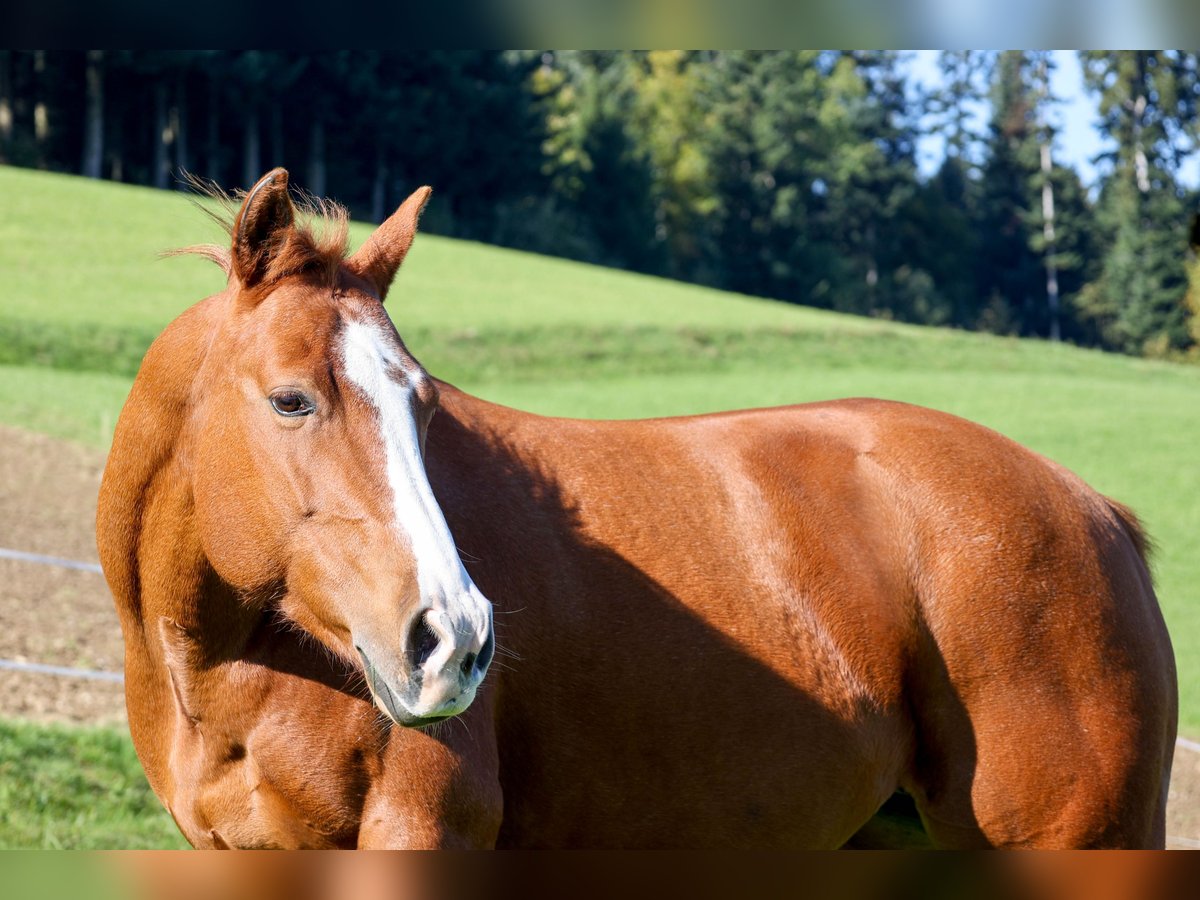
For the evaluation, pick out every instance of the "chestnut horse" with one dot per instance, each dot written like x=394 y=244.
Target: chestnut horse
x=739 y=630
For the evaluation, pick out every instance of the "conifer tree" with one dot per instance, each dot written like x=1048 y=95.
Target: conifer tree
x=1009 y=282
x=1148 y=108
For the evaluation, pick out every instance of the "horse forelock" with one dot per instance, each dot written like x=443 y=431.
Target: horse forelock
x=316 y=244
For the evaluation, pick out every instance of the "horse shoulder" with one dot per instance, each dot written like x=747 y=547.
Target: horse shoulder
x=141 y=528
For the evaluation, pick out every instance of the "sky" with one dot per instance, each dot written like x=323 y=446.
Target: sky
x=1078 y=140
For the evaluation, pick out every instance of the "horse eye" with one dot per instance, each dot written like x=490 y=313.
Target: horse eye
x=291 y=403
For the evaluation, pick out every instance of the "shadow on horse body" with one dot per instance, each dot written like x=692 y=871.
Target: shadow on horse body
x=748 y=629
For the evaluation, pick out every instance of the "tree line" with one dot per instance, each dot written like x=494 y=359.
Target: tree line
x=785 y=174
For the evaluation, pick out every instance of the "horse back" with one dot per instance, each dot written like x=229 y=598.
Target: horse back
x=908 y=599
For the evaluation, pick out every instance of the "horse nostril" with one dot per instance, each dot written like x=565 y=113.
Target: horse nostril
x=468 y=664
x=485 y=652
x=423 y=641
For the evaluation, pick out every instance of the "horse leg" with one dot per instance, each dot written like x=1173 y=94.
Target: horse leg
x=1043 y=749
x=439 y=788
x=1015 y=798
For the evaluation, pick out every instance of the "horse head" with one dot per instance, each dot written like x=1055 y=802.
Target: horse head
x=307 y=436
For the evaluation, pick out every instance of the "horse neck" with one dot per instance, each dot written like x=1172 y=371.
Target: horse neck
x=145 y=531
x=474 y=451
x=498 y=488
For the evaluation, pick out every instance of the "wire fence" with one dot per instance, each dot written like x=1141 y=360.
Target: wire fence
x=17 y=665
x=20 y=665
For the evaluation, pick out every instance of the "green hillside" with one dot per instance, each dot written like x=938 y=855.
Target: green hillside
x=83 y=293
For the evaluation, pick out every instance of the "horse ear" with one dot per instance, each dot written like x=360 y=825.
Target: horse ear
x=261 y=227
x=378 y=259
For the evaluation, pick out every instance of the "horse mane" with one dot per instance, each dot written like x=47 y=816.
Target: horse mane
x=316 y=243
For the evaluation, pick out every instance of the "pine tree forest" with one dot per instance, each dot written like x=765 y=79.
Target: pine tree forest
x=785 y=174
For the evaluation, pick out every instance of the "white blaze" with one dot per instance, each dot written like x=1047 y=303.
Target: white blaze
x=370 y=359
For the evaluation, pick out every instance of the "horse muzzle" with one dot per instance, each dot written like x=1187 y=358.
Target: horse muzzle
x=440 y=669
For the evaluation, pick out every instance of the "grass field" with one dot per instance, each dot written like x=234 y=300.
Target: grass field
x=83 y=294
x=71 y=788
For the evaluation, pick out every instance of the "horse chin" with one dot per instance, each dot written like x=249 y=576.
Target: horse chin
x=419 y=722
x=403 y=717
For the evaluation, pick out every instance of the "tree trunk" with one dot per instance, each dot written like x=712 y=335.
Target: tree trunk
x=316 y=156
x=116 y=138
x=6 y=104
x=1140 y=163
x=93 y=123
x=379 y=188
x=41 y=114
x=162 y=136
x=1052 y=302
x=179 y=126
x=213 y=128
x=277 y=151
x=872 y=278
x=251 y=167
x=1048 y=234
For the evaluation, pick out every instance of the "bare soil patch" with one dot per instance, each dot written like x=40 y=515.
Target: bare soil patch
x=63 y=617
x=1183 y=801
x=50 y=615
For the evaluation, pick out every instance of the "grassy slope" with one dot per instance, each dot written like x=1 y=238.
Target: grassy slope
x=82 y=294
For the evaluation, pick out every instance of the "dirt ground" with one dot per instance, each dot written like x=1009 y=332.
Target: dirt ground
x=47 y=614
x=65 y=617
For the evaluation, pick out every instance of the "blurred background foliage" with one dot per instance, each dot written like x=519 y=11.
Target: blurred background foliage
x=783 y=174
